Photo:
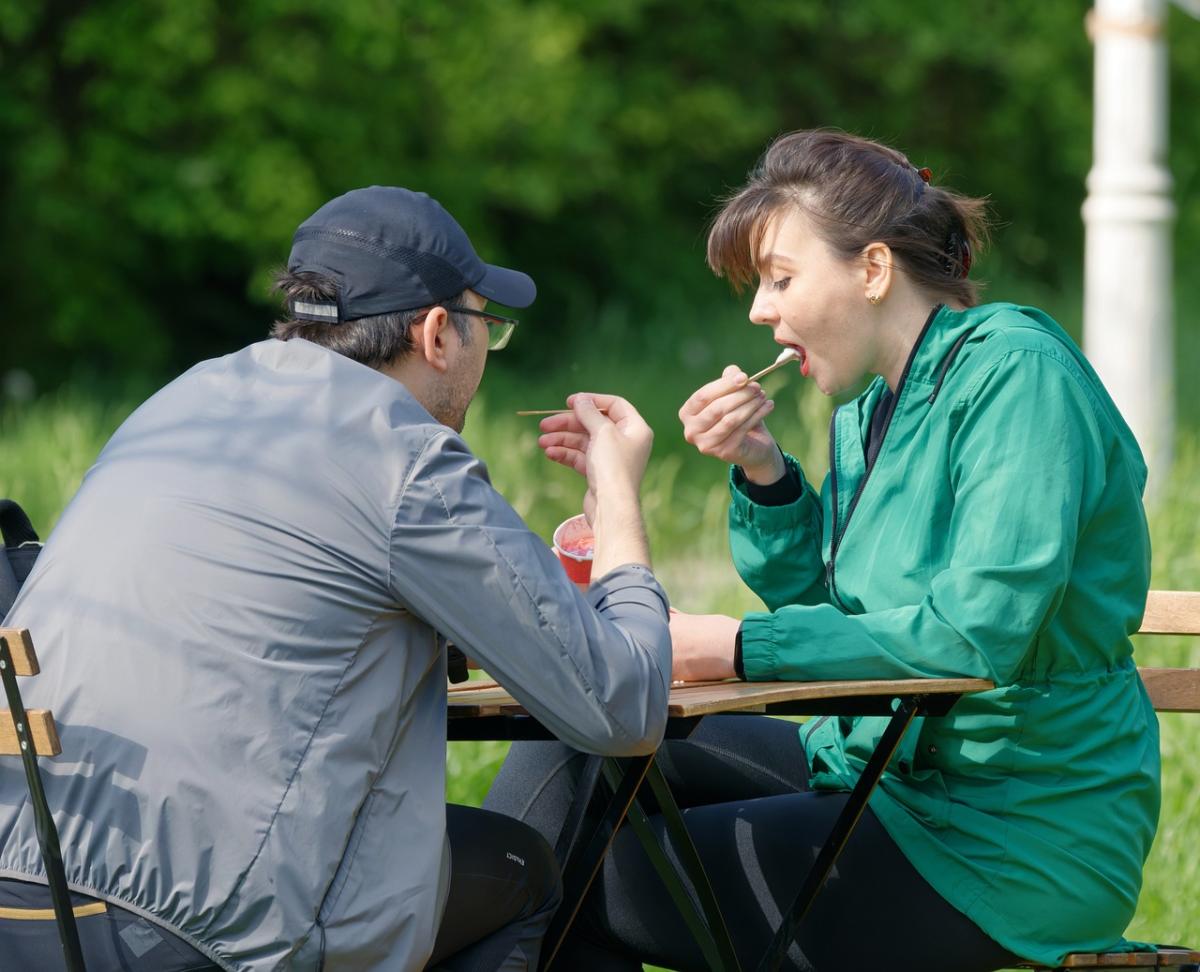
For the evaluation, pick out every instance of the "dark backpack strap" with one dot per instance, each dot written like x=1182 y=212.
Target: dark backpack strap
x=18 y=553
x=456 y=664
x=15 y=526
x=9 y=585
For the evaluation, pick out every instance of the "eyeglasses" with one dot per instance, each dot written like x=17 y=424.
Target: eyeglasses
x=499 y=328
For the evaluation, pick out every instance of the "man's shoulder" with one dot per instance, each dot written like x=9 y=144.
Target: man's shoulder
x=296 y=357
x=275 y=408
x=440 y=452
x=306 y=377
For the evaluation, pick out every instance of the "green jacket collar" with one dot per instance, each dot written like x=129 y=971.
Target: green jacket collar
x=939 y=342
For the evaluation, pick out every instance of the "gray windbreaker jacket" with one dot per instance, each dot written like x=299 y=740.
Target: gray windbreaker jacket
x=242 y=618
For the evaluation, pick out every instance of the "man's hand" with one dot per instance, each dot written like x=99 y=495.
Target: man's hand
x=611 y=451
x=607 y=449
x=702 y=646
x=724 y=419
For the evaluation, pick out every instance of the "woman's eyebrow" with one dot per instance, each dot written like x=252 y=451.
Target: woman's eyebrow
x=776 y=259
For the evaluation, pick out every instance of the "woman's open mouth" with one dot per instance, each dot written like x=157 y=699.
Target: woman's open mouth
x=803 y=357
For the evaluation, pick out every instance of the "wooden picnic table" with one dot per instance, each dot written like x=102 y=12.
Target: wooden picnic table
x=484 y=710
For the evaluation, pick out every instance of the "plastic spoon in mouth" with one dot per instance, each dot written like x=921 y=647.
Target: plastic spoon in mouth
x=786 y=355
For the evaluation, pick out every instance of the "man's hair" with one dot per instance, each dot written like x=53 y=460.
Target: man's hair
x=373 y=341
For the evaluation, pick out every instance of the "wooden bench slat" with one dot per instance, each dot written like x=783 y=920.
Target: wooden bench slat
x=41 y=725
x=1162 y=959
x=1173 y=689
x=1077 y=961
x=1172 y=612
x=20 y=645
x=1175 y=957
x=1111 y=960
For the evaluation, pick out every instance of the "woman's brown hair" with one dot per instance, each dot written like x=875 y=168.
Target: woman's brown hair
x=858 y=192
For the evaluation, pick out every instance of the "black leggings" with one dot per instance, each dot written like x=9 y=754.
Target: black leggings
x=504 y=889
x=743 y=784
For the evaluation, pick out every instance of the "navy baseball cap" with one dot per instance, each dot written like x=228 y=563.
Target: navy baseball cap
x=392 y=249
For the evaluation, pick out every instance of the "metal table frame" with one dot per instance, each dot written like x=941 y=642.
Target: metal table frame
x=580 y=854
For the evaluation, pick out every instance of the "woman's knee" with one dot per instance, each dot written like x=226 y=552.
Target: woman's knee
x=536 y=784
x=735 y=757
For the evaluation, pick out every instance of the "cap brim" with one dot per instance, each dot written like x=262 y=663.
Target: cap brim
x=508 y=287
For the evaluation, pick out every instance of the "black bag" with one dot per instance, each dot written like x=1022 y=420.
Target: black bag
x=20 y=550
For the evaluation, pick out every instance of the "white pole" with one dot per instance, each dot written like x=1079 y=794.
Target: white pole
x=1129 y=215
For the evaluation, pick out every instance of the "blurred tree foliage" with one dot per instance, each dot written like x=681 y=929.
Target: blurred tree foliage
x=155 y=157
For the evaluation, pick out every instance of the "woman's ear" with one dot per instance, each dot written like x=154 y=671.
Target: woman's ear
x=429 y=338
x=877 y=272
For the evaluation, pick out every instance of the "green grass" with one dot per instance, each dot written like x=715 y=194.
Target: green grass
x=48 y=445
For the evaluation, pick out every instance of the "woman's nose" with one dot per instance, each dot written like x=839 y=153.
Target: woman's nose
x=763 y=311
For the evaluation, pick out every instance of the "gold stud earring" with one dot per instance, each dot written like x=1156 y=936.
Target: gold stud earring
x=874 y=298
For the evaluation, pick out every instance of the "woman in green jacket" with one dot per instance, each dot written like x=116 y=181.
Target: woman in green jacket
x=982 y=517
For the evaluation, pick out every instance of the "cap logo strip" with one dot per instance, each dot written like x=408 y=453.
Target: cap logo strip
x=322 y=312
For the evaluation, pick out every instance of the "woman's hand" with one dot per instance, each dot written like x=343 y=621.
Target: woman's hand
x=702 y=646
x=724 y=419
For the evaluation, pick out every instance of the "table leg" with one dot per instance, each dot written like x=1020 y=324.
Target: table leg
x=709 y=930
x=582 y=866
x=843 y=827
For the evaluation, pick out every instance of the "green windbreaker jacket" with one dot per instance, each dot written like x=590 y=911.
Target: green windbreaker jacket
x=999 y=534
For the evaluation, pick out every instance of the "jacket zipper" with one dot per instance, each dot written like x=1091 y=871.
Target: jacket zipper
x=835 y=535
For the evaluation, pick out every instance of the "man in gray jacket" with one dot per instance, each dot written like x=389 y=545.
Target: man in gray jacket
x=243 y=618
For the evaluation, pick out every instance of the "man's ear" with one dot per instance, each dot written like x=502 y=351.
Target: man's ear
x=429 y=338
x=877 y=263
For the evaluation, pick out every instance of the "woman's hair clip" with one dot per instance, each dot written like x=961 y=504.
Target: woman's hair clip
x=956 y=258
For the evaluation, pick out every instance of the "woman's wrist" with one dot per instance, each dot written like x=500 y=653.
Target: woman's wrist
x=766 y=473
x=702 y=646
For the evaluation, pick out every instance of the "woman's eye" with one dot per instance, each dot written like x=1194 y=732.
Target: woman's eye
x=781 y=283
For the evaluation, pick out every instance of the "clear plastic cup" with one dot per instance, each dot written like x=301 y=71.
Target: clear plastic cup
x=573 y=545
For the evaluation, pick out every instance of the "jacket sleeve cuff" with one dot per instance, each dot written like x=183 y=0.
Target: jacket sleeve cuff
x=738 y=668
x=759 y=653
x=783 y=517
x=628 y=584
x=786 y=489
